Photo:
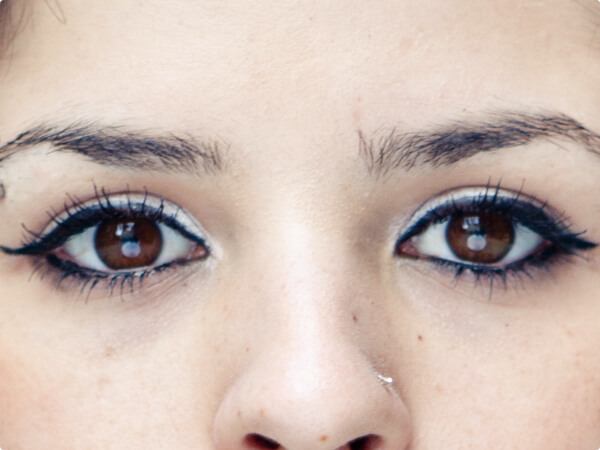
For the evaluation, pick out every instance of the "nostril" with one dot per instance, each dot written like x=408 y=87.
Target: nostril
x=368 y=442
x=258 y=442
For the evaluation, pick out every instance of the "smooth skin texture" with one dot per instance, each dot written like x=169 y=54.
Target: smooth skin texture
x=283 y=332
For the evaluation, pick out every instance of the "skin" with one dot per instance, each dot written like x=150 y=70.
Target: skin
x=283 y=331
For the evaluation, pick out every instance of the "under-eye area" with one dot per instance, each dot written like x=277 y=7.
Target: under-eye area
x=491 y=233
x=115 y=240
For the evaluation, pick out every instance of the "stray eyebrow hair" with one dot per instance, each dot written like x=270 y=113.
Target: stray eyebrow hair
x=119 y=147
x=387 y=151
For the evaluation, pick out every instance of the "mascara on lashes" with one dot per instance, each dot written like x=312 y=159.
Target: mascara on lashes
x=82 y=215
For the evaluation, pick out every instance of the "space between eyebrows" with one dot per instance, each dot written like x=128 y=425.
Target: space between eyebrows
x=391 y=150
x=119 y=146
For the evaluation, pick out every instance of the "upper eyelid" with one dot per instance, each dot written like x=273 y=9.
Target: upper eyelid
x=483 y=194
x=471 y=195
x=139 y=203
x=162 y=209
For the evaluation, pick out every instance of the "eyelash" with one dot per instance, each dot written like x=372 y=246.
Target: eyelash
x=80 y=215
x=554 y=229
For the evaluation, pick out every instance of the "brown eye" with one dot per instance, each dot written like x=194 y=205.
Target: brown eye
x=480 y=238
x=128 y=244
x=472 y=228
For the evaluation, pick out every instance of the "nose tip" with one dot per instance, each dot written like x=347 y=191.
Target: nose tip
x=312 y=401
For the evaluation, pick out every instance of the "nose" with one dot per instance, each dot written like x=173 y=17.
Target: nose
x=312 y=388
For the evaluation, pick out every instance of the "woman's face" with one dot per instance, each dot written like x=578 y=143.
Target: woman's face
x=300 y=225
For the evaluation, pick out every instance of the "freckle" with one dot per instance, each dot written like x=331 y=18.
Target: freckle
x=354 y=318
x=109 y=352
x=324 y=438
x=419 y=337
x=570 y=332
x=102 y=382
x=247 y=349
x=262 y=413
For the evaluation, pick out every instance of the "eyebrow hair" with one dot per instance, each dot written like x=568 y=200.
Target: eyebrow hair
x=446 y=145
x=119 y=147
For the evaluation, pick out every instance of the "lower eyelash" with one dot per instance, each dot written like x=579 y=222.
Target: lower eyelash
x=66 y=274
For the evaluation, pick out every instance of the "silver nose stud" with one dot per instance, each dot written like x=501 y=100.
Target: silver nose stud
x=385 y=381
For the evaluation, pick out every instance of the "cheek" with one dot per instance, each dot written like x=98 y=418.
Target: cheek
x=31 y=397
x=543 y=388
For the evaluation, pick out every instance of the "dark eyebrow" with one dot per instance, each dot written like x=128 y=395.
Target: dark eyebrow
x=448 y=144
x=120 y=147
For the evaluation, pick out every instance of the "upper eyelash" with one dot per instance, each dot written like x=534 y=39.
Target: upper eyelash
x=527 y=210
x=79 y=215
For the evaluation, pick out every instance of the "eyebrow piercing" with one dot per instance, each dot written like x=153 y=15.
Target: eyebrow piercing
x=385 y=381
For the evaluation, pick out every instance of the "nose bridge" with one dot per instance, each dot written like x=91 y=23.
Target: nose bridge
x=308 y=257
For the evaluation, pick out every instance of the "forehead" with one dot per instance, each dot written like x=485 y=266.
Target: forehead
x=226 y=65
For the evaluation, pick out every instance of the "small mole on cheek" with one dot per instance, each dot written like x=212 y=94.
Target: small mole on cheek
x=354 y=318
x=324 y=438
x=419 y=337
x=262 y=413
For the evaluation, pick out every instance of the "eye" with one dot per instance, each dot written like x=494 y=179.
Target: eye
x=477 y=238
x=488 y=231
x=129 y=244
x=119 y=236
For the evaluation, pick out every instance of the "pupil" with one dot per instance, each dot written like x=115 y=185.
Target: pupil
x=480 y=238
x=128 y=244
